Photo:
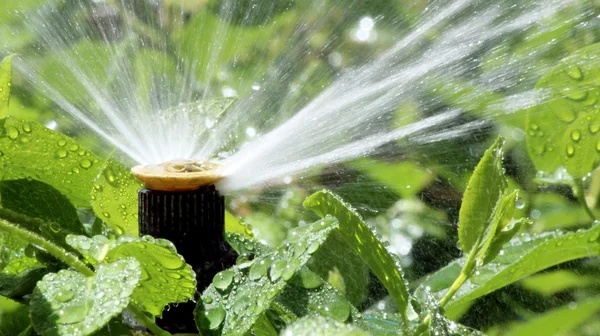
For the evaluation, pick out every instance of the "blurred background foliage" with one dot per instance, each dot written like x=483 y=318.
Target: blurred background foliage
x=410 y=192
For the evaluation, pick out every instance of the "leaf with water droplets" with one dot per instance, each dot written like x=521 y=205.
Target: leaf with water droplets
x=5 y=80
x=322 y=326
x=563 y=127
x=522 y=256
x=94 y=249
x=19 y=276
x=484 y=191
x=36 y=199
x=114 y=197
x=247 y=290
x=30 y=150
x=166 y=278
x=68 y=303
x=364 y=242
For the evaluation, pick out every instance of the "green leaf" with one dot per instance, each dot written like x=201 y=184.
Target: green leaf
x=39 y=200
x=485 y=188
x=29 y=150
x=238 y=296
x=518 y=259
x=557 y=321
x=358 y=235
x=5 y=82
x=68 y=303
x=322 y=326
x=115 y=197
x=562 y=129
x=19 y=276
x=14 y=318
x=166 y=278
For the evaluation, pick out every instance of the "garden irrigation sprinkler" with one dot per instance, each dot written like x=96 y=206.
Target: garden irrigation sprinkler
x=180 y=203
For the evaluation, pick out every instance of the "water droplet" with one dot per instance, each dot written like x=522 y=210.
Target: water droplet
x=61 y=153
x=598 y=146
x=61 y=143
x=258 y=269
x=85 y=163
x=73 y=147
x=575 y=135
x=75 y=170
x=574 y=72
x=215 y=317
x=520 y=203
x=594 y=128
x=13 y=133
x=277 y=270
x=570 y=150
x=65 y=294
x=223 y=279
x=565 y=115
x=207 y=300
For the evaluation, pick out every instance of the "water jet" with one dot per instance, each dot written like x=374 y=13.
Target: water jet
x=180 y=203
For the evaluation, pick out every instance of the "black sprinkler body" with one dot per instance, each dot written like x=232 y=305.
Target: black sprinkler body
x=194 y=220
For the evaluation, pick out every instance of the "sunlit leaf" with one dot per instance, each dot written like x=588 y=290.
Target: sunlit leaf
x=114 y=197
x=30 y=150
x=14 y=318
x=522 y=256
x=68 y=303
x=166 y=278
x=485 y=188
x=238 y=296
x=550 y=283
x=358 y=235
x=562 y=129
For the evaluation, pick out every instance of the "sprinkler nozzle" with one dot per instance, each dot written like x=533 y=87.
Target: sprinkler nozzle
x=178 y=175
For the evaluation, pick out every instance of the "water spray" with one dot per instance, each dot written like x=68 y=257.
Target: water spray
x=180 y=203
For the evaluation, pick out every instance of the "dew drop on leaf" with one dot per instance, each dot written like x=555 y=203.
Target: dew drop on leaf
x=575 y=135
x=26 y=128
x=277 y=269
x=85 y=163
x=570 y=150
x=574 y=72
x=215 y=316
x=223 y=279
x=13 y=133
x=61 y=153
x=61 y=143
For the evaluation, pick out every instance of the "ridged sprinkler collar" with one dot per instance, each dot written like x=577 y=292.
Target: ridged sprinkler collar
x=178 y=175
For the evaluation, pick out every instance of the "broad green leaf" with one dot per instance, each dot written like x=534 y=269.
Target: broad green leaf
x=234 y=225
x=166 y=278
x=239 y=296
x=550 y=283
x=30 y=150
x=358 y=235
x=5 y=82
x=405 y=178
x=557 y=321
x=242 y=244
x=39 y=200
x=14 y=318
x=114 y=197
x=336 y=255
x=322 y=326
x=521 y=257
x=485 y=188
x=562 y=129
x=68 y=303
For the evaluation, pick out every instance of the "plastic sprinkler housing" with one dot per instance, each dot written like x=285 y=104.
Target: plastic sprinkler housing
x=180 y=203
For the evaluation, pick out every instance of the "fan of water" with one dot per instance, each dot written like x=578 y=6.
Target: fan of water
x=131 y=70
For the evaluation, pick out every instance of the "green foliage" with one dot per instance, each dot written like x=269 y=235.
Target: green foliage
x=59 y=160
x=68 y=303
x=5 y=83
x=562 y=130
x=114 y=197
x=360 y=237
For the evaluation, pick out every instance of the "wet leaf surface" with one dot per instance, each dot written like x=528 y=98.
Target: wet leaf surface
x=239 y=296
x=68 y=303
x=5 y=83
x=322 y=326
x=562 y=129
x=364 y=242
x=30 y=150
x=522 y=256
x=115 y=197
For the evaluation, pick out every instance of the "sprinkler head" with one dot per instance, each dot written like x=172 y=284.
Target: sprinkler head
x=178 y=175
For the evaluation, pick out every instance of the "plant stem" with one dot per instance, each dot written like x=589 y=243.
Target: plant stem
x=146 y=321
x=579 y=191
x=58 y=252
